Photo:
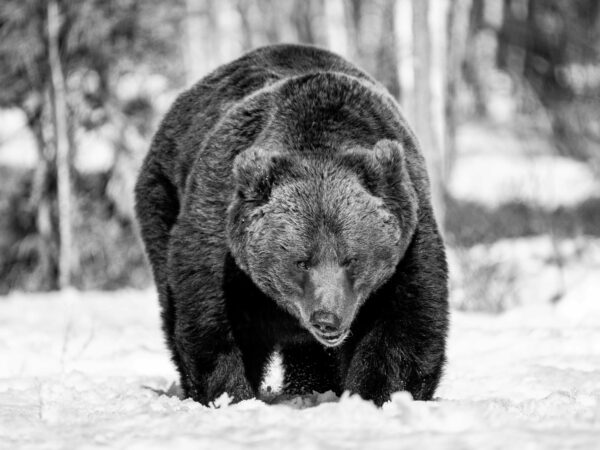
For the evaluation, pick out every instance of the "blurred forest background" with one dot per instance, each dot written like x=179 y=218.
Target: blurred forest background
x=503 y=94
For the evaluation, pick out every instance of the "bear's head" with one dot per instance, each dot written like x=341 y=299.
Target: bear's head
x=320 y=234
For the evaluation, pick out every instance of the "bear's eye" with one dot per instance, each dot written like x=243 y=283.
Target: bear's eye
x=350 y=261
x=303 y=264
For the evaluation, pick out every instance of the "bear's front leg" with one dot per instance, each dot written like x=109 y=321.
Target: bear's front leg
x=211 y=362
x=385 y=361
x=211 y=365
x=377 y=367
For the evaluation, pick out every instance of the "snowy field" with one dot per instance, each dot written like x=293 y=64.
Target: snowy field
x=84 y=370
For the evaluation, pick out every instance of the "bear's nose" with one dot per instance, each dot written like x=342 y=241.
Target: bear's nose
x=325 y=322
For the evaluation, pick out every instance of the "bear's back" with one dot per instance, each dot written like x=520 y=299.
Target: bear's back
x=197 y=111
x=267 y=65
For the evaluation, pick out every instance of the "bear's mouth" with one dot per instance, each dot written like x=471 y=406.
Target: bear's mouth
x=330 y=339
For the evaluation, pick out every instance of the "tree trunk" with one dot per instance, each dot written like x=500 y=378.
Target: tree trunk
x=371 y=38
x=39 y=202
x=202 y=38
x=427 y=116
x=307 y=17
x=456 y=45
x=403 y=30
x=61 y=138
x=337 y=38
x=244 y=10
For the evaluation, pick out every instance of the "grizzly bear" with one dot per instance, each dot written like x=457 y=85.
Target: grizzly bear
x=284 y=206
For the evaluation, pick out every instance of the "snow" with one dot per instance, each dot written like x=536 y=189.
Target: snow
x=17 y=142
x=86 y=370
x=525 y=271
x=90 y=370
x=497 y=165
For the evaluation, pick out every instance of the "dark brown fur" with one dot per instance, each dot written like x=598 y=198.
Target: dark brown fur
x=284 y=183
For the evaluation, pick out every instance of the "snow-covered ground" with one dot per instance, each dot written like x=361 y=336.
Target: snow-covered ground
x=81 y=370
x=85 y=370
x=497 y=164
x=525 y=271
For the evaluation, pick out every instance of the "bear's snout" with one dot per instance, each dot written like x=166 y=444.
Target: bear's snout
x=329 y=305
x=327 y=328
x=331 y=298
x=325 y=322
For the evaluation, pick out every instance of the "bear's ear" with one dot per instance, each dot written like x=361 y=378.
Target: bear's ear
x=389 y=155
x=379 y=168
x=254 y=173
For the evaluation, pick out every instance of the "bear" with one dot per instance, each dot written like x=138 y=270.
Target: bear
x=284 y=205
